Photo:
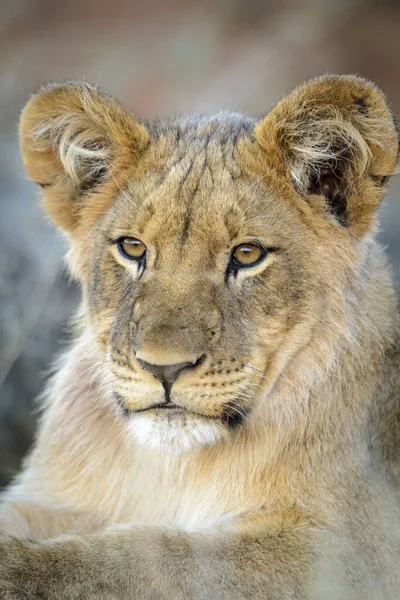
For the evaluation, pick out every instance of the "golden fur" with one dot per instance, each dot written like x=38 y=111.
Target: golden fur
x=277 y=476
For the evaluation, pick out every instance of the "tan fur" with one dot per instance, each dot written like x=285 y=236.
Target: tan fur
x=278 y=477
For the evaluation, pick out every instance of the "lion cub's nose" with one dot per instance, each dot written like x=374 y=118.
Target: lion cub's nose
x=166 y=373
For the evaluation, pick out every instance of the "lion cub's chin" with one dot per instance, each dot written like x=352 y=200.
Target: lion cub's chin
x=176 y=432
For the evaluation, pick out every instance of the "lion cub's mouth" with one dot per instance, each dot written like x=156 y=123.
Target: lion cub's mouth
x=167 y=405
x=163 y=406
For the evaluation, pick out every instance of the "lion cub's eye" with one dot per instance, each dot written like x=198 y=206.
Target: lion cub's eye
x=247 y=255
x=132 y=248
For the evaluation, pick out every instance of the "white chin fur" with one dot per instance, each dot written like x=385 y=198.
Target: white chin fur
x=175 y=433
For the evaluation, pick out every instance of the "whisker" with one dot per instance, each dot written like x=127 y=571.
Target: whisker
x=239 y=412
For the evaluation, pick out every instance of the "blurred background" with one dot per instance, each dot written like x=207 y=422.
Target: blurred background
x=158 y=58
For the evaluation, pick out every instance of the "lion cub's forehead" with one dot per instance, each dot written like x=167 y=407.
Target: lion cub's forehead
x=192 y=183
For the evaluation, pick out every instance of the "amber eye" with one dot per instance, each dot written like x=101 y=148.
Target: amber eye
x=132 y=248
x=247 y=255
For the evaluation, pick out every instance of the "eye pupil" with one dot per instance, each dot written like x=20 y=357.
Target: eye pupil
x=132 y=248
x=246 y=255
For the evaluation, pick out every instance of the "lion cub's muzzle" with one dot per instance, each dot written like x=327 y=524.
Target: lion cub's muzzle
x=174 y=359
x=168 y=341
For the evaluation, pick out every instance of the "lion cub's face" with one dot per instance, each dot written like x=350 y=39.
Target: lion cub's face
x=210 y=250
x=199 y=273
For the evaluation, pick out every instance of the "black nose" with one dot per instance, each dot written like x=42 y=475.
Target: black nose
x=165 y=373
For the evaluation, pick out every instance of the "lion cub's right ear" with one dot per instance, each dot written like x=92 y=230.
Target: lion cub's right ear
x=74 y=140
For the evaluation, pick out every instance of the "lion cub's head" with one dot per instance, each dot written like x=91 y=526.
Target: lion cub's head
x=216 y=253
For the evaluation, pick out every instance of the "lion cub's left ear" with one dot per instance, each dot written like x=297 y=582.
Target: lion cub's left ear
x=336 y=141
x=76 y=140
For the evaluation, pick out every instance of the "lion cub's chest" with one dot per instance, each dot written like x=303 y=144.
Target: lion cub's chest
x=163 y=492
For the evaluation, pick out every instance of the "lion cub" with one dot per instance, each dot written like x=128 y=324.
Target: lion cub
x=226 y=422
